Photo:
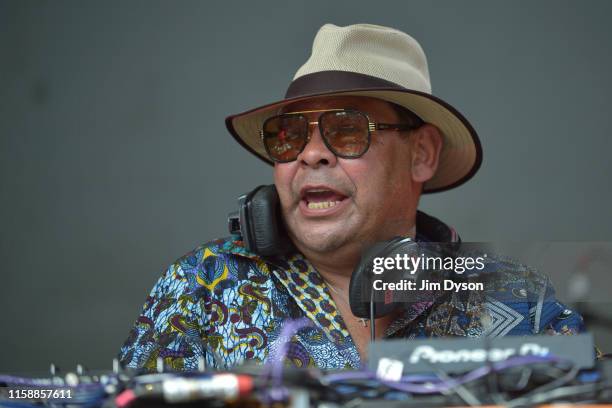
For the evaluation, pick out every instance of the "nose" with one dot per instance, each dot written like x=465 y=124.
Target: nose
x=315 y=152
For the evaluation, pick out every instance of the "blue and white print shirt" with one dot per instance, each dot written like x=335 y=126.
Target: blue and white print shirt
x=223 y=304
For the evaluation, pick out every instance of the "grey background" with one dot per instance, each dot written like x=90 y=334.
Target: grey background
x=114 y=158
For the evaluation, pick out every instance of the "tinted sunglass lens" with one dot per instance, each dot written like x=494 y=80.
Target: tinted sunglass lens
x=285 y=136
x=346 y=132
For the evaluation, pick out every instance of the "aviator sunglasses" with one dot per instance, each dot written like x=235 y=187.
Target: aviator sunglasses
x=347 y=133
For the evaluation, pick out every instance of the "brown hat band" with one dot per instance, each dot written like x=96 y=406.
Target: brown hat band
x=335 y=81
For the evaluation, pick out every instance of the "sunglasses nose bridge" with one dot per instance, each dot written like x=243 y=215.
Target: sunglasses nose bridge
x=315 y=149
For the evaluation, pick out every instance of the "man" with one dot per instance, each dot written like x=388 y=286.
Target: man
x=354 y=144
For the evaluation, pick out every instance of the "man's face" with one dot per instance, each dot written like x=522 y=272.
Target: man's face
x=329 y=202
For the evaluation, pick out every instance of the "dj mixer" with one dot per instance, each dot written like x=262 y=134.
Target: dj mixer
x=511 y=372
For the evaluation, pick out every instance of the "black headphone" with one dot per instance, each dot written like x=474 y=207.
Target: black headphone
x=364 y=301
x=260 y=224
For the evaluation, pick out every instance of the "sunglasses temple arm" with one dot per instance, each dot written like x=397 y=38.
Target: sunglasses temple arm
x=390 y=126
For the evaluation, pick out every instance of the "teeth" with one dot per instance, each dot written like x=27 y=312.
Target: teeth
x=323 y=204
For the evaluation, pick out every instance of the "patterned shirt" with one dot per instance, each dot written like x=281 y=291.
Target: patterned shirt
x=225 y=305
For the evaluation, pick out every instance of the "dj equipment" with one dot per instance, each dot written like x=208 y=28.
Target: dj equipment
x=458 y=355
x=512 y=371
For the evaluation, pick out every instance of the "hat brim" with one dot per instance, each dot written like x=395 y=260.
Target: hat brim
x=461 y=154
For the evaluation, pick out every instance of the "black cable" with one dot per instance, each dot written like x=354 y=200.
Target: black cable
x=556 y=383
x=372 y=321
x=492 y=380
x=552 y=395
x=524 y=379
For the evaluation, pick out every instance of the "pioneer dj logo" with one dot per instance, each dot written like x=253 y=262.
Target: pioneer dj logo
x=432 y=355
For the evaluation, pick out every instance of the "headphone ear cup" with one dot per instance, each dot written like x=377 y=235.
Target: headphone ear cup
x=362 y=279
x=360 y=287
x=268 y=232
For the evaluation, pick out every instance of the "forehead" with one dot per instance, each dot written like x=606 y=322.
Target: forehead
x=372 y=106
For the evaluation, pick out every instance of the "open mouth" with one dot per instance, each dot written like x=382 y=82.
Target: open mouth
x=321 y=198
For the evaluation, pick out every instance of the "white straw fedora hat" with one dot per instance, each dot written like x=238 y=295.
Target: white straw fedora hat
x=380 y=62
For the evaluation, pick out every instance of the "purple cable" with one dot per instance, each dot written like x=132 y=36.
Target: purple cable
x=413 y=383
x=370 y=375
x=447 y=385
x=275 y=366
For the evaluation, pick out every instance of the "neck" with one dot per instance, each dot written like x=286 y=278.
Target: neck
x=337 y=266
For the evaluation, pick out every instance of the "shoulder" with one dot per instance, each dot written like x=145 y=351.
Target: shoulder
x=178 y=311
x=218 y=263
x=512 y=281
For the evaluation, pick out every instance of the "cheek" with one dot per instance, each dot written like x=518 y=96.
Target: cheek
x=383 y=178
x=368 y=179
x=284 y=174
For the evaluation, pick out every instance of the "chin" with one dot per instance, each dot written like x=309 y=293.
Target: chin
x=322 y=240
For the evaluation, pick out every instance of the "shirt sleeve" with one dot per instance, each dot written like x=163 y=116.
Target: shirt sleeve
x=564 y=321
x=550 y=316
x=169 y=327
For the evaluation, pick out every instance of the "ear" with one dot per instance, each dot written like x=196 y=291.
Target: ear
x=426 y=147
